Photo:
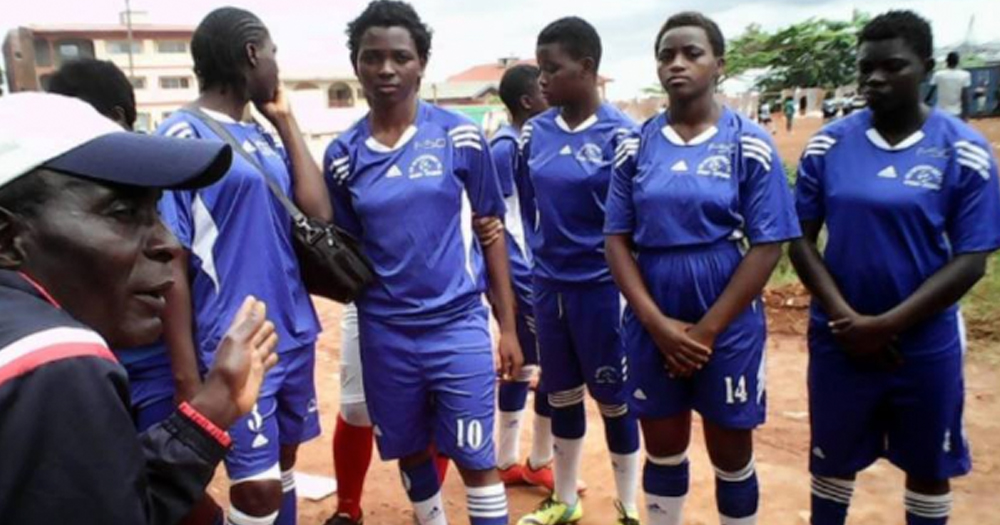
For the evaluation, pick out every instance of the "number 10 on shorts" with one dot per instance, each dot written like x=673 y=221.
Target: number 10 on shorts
x=470 y=434
x=736 y=391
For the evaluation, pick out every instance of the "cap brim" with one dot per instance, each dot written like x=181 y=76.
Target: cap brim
x=147 y=160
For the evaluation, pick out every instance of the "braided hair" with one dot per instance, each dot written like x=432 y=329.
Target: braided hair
x=218 y=47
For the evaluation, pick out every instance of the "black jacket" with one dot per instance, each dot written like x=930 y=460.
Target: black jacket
x=68 y=450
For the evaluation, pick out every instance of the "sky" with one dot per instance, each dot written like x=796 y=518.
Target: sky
x=311 y=39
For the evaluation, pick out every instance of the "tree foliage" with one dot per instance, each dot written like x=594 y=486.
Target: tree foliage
x=814 y=53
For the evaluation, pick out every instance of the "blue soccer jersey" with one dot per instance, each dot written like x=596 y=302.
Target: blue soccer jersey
x=726 y=184
x=896 y=214
x=564 y=174
x=240 y=239
x=411 y=207
x=504 y=149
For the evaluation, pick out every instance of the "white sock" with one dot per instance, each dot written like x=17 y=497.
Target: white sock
x=748 y=520
x=664 y=510
x=510 y=433
x=626 y=468
x=430 y=511
x=541 y=442
x=238 y=518
x=568 y=453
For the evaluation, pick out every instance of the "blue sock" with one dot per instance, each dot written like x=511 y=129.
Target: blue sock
x=424 y=490
x=288 y=515
x=830 y=499
x=569 y=418
x=487 y=505
x=665 y=482
x=512 y=396
x=621 y=429
x=923 y=509
x=542 y=406
x=737 y=493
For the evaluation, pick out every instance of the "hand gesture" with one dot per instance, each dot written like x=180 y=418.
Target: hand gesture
x=509 y=356
x=867 y=339
x=488 y=229
x=684 y=354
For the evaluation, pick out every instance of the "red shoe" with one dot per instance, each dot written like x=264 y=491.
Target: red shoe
x=543 y=477
x=513 y=475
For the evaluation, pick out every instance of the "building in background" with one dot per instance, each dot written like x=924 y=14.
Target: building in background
x=160 y=66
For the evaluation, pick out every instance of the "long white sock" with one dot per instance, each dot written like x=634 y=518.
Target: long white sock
x=430 y=511
x=541 y=442
x=237 y=517
x=626 y=467
x=568 y=453
x=508 y=449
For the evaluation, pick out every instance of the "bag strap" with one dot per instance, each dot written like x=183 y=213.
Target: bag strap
x=297 y=216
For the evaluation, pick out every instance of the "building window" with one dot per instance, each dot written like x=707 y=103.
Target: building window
x=43 y=53
x=44 y=81
x=120 y=47
x=143 y=122
x=171 y=46
x=175 y=82
x=73 y=49
x=138 y=82
x=340 y=95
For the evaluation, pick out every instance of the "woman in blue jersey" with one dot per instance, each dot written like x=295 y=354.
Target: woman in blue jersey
x=406 y=180
x=696 y=214
x=240 y=241
x=909 y=198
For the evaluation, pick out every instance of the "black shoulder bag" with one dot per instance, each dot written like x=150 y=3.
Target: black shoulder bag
x=330 y=260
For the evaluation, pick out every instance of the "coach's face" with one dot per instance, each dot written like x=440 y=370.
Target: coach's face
x=389 y=66
x=562 y=78
x=101 y=251
x=890 y=73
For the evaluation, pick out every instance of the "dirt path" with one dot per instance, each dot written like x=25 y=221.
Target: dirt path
x=781 y=456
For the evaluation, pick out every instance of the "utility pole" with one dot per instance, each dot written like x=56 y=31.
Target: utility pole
x=128 y=25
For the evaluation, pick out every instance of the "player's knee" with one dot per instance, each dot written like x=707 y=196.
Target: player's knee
x=355 y=414
x=414 y=460
x=479 y=477
x=255 y=502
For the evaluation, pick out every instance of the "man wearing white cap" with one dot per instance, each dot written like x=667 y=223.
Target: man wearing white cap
x=84 y=264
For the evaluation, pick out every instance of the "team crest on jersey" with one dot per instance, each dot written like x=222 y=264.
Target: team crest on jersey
x=590 y=153
x=716 y=166
x=426 y=166
x=924 y=176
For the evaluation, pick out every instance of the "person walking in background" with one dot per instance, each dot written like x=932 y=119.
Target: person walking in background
x=788 y=108
x=952 y=88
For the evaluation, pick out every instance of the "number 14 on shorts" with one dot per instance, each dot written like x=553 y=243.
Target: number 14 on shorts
x=736 y=390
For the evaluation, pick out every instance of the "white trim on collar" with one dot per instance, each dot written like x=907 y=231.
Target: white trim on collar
x=583 y=125
x=673 y=137
x=876 y=138
x=218 y=115
x=378 y=147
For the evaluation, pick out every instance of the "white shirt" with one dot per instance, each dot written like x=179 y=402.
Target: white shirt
x=950 y=83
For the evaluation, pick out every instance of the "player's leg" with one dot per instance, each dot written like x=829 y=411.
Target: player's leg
x=595 y=317
x=847 y=431
x=926 y=437
x=459 y=362
x=564 y=386
x=255 y=491
x=298 y=422
x=353 y=438
x=538 y=467
x=512 y=396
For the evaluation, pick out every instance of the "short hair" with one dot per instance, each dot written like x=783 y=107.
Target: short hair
x=517 y=82
x=576 y=36
x=97 y=82
x=389 y=13
x=913 y=29
x=953 y=59
x=218 y=46
x=25 y=195
x=694 y=19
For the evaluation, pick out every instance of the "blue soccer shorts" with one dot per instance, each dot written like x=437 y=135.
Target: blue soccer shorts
x=431 y=381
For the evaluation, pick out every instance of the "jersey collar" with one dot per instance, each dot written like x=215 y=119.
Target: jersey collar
x=674 y=138
x=582 y=127
x=378 y=147
x=879 y=142
x=219 y=116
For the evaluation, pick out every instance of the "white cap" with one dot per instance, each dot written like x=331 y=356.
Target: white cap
x=37 y=127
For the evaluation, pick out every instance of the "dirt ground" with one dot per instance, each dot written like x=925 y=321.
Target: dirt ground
x=782 y=443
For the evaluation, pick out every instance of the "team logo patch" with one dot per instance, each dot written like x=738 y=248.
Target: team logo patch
x=607 y=375
x=256 y=425
x=426 y=166
x=716 y=166
x=590 y=153
x=924 y=176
